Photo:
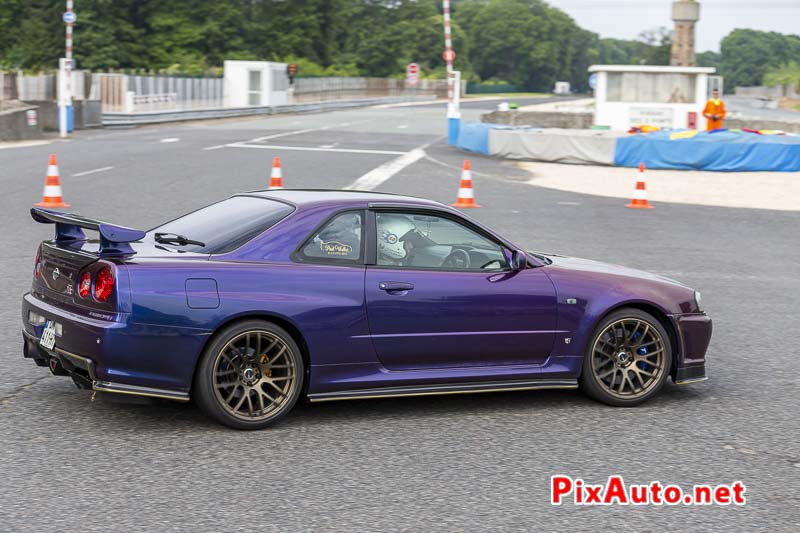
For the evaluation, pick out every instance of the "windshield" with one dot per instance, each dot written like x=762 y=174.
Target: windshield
x=224 y=226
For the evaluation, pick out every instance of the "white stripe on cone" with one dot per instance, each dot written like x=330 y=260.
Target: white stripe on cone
x=52 y=170
x=52 y=191
x=639 y=194
x=276 y=172
x=465 y=193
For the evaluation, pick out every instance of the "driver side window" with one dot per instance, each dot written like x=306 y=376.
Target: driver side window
x=420 y=241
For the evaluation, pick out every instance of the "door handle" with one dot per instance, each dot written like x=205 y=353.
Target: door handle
x=395 y=286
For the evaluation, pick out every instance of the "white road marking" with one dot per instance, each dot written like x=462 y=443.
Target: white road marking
x=287 y=134
x=313 y=149
x=170 y=140
x=568 y=203
x=22 y=144
x=402 y=126
x=95 y=171
x=284 y=134
x=375 y=177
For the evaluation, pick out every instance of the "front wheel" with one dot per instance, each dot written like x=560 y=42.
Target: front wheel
x=628 y=359
x=251 y=375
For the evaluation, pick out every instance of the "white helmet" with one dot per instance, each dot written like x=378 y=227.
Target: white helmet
x=391 y=230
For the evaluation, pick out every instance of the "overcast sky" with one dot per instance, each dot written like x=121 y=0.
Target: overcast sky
x=624 y=19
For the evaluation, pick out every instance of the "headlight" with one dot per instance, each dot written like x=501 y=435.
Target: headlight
x=698 y=299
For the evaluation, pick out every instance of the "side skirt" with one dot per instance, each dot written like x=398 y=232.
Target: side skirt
x=449 y=388
x=122 y=388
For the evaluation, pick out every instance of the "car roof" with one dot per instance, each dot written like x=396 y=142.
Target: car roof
x=308 y=197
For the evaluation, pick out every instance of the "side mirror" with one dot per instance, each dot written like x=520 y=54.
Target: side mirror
x=518 y=260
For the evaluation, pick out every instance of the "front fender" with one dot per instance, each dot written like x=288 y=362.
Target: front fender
x=585 y=297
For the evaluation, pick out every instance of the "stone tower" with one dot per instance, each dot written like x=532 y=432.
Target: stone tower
x=685 y=13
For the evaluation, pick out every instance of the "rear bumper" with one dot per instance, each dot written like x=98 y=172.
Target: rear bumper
x=82 y=371
x=116 y=356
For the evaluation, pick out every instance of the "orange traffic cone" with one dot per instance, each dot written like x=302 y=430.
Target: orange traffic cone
x=466 y=195
x=52 y=196
x=640 y=194
x=276 y=178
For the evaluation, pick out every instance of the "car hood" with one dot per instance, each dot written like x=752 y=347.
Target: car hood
x=598 y=267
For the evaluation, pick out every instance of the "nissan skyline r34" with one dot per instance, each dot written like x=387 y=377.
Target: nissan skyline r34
x=253 y=302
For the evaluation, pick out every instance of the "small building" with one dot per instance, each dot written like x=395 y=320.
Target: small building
x=255 y=83
x=667 y=97
x=562 y=88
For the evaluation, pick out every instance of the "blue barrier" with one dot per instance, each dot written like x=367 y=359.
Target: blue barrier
x=474 y=136
x=453 y=128
x=721 y=150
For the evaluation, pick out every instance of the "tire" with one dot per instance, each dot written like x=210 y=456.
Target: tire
x=250 y=375
x=627 y=360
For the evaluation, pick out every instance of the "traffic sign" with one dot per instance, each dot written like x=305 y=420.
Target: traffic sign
x=69 y=17
x=412 y=75
x=593 y=81
x=449 y=55
x=291 y=71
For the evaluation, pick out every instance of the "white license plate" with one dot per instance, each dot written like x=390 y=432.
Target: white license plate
x=48 y=339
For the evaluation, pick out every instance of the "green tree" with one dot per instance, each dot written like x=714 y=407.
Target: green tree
x=709 y=59
x=748 y=54
x=106 y=37
x=36 y=38
x=786 y=74
x=659 y=46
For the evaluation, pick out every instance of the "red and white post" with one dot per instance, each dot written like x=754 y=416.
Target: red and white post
x=448 y=48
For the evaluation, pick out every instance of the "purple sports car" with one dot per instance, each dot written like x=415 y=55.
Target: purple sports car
x=252 y=302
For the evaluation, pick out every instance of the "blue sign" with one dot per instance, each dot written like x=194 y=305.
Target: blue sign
x=70 y=17
x=593 y=81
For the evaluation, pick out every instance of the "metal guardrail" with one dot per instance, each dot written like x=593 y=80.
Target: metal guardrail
x=158 y=117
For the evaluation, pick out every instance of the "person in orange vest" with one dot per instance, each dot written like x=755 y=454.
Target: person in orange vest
x=714 y=112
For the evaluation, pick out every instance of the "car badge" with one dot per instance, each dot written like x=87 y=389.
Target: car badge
x=56 y=273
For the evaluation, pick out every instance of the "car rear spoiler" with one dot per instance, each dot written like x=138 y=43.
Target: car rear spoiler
x=114 y=240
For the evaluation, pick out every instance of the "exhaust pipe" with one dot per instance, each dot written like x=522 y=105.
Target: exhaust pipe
x=56 y=368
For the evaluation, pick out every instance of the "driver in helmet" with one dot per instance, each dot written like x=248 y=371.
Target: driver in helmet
x=395 y=239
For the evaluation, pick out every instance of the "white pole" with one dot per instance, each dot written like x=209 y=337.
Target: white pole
x=66 y=72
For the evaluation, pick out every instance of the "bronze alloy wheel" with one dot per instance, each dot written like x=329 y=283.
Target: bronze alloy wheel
x=628 y=359
x=255 y=375
x=250 y=375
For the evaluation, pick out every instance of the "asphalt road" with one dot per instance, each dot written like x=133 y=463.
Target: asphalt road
x=468 y=463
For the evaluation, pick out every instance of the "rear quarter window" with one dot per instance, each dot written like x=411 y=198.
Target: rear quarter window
x=339 y=241
x=226 y=225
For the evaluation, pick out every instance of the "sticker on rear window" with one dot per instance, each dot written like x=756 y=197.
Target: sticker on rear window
x=334 y=248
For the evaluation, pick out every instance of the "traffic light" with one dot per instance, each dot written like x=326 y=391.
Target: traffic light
x=291 y=71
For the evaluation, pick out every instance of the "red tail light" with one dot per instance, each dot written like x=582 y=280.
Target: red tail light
x=103 y=284
x=37 y=270
x=85 y=285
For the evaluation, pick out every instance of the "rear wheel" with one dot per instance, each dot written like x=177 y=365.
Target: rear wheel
x=250 y=375
x=628 y=359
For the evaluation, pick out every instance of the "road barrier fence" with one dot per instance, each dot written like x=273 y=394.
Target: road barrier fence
x=128 y=93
